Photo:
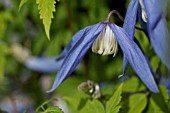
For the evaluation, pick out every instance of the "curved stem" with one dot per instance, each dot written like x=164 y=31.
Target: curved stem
x=120 y=17
x=114 y=12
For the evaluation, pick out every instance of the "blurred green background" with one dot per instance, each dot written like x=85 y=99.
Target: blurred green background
x=23 y=89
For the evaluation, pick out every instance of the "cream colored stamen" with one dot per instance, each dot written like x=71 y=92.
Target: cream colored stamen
x=105 y=44
x=144 y=16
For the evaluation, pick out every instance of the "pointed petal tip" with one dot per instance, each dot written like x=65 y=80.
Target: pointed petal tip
x=155 y=90
x=49 y=91
x=55 y=85
x=52 y=89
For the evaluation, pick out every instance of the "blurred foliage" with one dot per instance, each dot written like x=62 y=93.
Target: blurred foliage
x=51 y=109
x=21 y=23
x=112 y=106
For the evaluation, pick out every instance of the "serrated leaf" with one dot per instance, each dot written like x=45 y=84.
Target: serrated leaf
x=22 y=2
x=53 y=109
x=155 y=62
x=137 y=103
x=46 y=7
x=93 y=106
x=112 y=105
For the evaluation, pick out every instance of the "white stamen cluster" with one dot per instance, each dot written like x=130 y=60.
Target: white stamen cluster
x=105 y=44
x=144 y=16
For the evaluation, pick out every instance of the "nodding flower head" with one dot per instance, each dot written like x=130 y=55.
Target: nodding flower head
x=106 y=43
x=104 y=38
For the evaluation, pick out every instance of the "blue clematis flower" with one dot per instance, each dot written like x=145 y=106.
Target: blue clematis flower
x=104 y=38
x=152 y=20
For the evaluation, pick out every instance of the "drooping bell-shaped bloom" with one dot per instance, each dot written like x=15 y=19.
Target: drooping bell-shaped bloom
x=152 y=20
x=104 y=38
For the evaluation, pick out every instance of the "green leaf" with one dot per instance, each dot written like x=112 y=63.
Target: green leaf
x=46 y=8
x=165 y=95
x=137 y=103
x=93 y=106
x=143 y=40
x=154 y=107
x=53 y=109
x=75 y=98
x=155 y=62
x=112 y=105
x=159 y=102
x=130 y=87
x=164 y=92
x=22 y=2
